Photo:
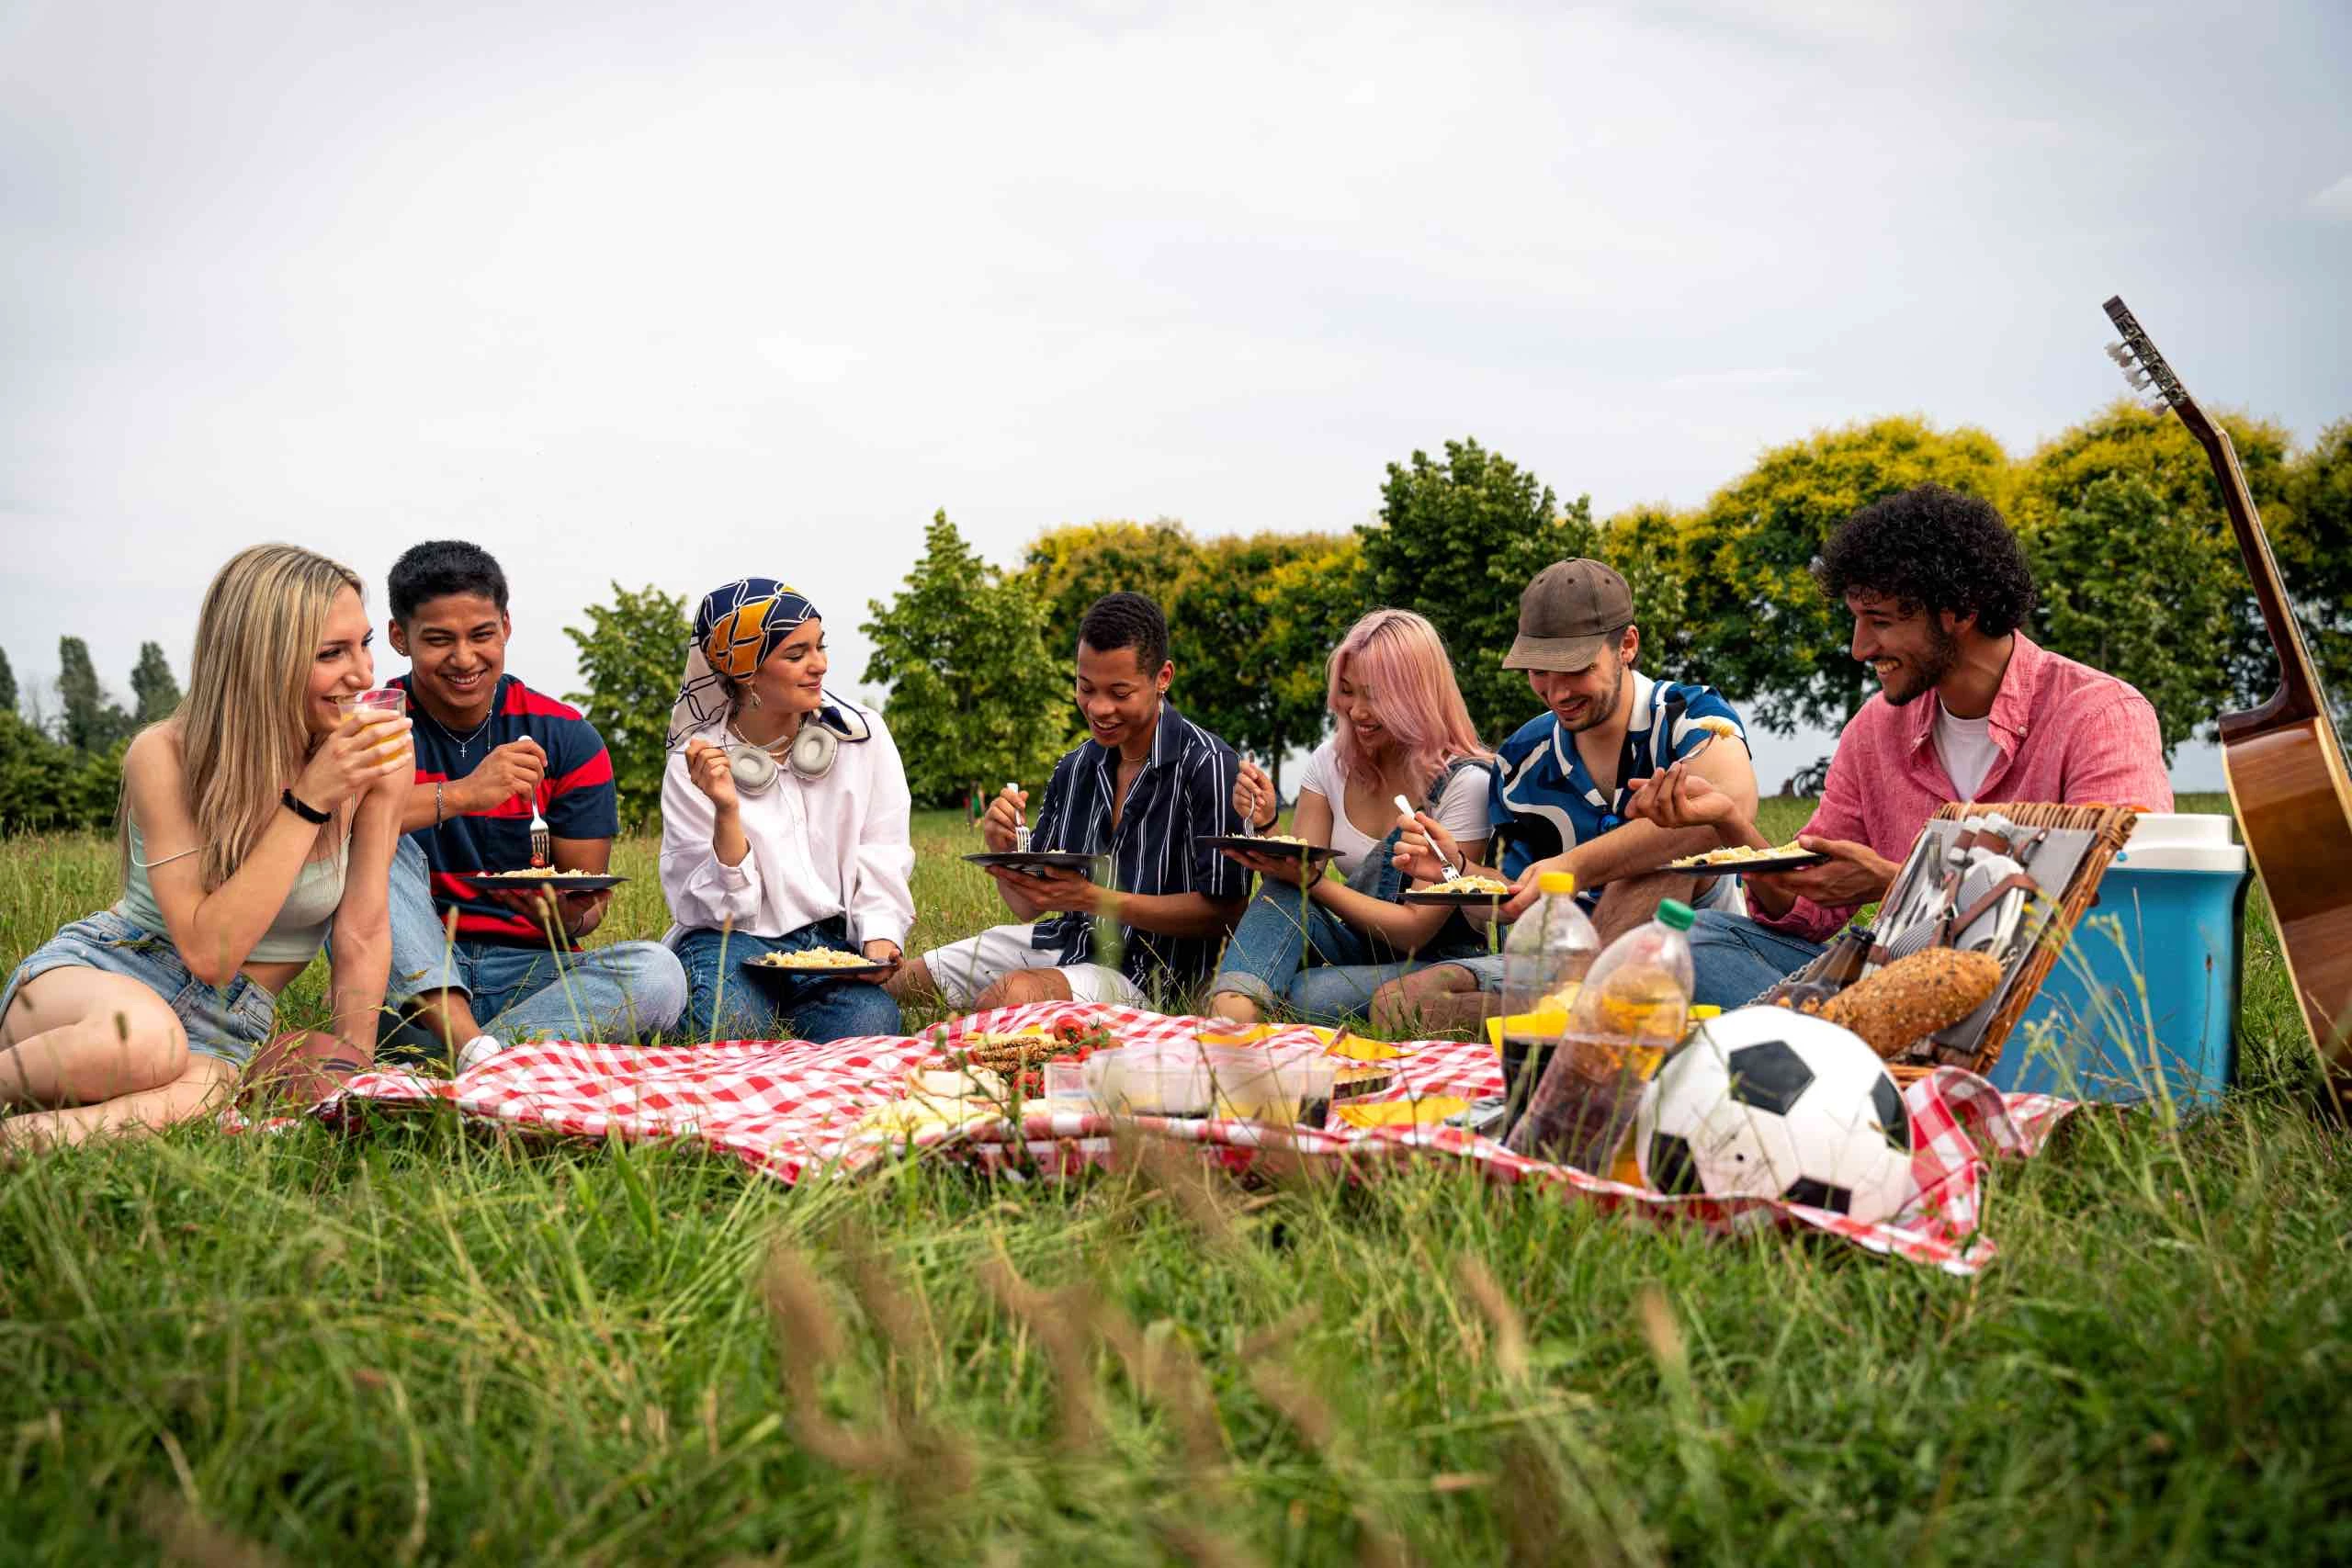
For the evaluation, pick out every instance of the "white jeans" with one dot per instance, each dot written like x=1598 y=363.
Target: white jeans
x=962 y=970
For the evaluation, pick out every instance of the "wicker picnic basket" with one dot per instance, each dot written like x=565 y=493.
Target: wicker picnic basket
x=2109 y=827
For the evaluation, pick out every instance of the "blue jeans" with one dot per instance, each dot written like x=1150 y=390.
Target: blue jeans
x=1323 y=970
x=1734 y=960
x=621 y=992
x=725 y=1003
x=226 y=1022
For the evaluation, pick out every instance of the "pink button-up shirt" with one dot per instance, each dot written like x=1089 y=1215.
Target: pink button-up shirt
x=2065 y=734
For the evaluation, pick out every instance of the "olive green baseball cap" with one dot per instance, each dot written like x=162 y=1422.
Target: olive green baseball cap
x=1566 y=615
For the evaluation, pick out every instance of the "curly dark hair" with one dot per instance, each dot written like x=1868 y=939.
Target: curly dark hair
x=1127 y=620
x=440 y=566
x=1932 y=548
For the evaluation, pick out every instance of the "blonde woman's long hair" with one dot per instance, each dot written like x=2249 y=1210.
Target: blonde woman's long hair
x=242 y=735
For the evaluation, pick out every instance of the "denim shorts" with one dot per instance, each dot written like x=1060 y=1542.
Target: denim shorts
x=227 y=1023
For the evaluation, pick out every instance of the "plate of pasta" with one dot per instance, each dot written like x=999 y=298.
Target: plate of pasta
x=527 y=877
x=815 y=964
x=1459 y=892
x=1746 y=858
x=1273 y=845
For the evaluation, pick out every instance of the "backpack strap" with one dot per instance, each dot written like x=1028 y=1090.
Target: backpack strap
x=1446 y=776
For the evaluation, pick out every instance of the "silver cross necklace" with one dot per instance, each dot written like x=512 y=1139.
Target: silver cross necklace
x=464 y=742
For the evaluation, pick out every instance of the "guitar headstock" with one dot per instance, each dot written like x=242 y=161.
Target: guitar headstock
x=2146 y=369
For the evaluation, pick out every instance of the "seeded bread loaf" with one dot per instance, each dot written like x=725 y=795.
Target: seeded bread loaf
x=1894 y=1007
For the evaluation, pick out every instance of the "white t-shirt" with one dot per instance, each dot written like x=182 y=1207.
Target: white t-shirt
x=1967 y=750
x=1461 y=809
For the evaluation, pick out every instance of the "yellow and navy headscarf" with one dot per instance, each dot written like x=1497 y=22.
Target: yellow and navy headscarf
x=736 y=628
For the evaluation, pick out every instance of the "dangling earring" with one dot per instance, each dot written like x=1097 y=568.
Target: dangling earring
x=752 y=696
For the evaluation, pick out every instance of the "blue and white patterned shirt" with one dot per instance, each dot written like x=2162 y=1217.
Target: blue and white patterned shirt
x=1184 y=791
x=1544 y=800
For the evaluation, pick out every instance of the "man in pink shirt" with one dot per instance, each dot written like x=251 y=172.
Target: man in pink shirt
x=1971 y=709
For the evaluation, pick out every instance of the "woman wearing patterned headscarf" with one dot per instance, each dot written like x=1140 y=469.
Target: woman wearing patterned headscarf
x=783 y=828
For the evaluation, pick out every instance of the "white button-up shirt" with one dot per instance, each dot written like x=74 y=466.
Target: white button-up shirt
x=820 y=847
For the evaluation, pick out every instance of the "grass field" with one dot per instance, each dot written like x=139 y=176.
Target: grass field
x=429 y=1345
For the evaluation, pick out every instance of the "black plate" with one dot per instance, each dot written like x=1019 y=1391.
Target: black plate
x=1311 y=854
x=1742 y=868
x=561 y=882
x=1035 y=860
x=1452 y=900
x=774 y=974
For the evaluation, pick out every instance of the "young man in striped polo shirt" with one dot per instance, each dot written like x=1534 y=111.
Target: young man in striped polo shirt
x=1144 y=786
x=480 y=961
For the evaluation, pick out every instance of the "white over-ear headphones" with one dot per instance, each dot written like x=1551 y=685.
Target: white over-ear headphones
x=753 y=768
x=810 y=756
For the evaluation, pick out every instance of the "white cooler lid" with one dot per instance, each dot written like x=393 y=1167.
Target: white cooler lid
x=2166 y=840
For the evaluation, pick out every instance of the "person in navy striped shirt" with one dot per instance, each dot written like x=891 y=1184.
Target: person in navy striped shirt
x=479 y=961
x=1143 y=788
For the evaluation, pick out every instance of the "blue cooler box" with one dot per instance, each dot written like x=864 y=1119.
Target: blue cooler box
x=2143 y=1002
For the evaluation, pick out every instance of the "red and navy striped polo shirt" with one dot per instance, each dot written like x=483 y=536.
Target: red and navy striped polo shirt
x=575 y=795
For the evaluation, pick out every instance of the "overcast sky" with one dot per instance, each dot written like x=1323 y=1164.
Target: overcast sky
x=678 y=293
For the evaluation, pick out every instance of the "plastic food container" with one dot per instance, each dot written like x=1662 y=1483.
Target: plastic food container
x=1170 y=1079
x=1270 y=1084
x=1066 y=1080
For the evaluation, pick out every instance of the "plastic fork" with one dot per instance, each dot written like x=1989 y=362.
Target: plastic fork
x=1451 y=872
x=1020 y=826
x=538 y=835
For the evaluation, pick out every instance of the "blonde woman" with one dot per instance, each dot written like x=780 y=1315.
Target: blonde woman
x=257 y=821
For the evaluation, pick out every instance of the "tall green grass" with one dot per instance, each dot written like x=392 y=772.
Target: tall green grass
x=433 y=1344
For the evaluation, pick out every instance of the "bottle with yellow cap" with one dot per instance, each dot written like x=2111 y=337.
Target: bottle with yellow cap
x=1545 y=960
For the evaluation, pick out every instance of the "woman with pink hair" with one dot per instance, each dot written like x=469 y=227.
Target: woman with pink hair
x=1311 y=945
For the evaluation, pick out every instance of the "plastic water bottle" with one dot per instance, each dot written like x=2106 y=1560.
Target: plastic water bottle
x=1545 y=961
x=1631 y=1010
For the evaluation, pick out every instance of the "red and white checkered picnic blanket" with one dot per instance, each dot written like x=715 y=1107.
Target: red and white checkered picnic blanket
x=789 y=1108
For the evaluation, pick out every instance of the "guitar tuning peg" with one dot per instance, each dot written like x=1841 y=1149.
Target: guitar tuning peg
x=2120 y=355
x=2139 y=379
x=2160 y=405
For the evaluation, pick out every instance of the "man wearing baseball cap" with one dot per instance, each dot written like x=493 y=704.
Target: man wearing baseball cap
x=1563 y=781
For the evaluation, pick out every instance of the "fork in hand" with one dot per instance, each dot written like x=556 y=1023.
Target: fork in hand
x=538 y=834
x=1453 y=872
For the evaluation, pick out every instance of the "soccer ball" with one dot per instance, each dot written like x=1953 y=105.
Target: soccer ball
x=1764 y=1103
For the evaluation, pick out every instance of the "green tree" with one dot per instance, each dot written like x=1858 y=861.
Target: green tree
x=7 y=684
x=1650 y=547
x=47 y=787
x=33 y=769
x=631 y=656
x=93 y=720
x=2125 y=440
x=1251 y=629
x=2133 y=589
x=978 y=696
x=1457 y=541
x=1761 y=628
x=1069 y=568
x=2316 y=555
x=151 y=685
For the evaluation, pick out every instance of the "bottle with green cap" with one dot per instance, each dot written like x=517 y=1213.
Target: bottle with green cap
x=1545 y=960
x=1631 y=1010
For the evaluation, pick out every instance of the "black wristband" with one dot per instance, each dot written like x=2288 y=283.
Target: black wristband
x=308 y=814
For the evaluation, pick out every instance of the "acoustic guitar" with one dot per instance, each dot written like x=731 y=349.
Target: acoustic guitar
x=2285 y=766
